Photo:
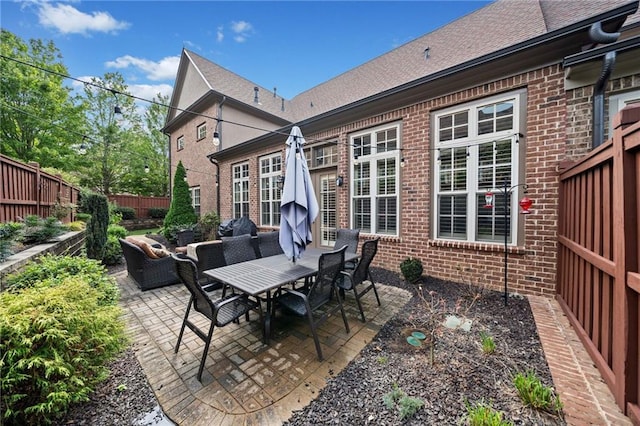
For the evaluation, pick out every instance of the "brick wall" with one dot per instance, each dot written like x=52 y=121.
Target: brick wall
x=532 y=265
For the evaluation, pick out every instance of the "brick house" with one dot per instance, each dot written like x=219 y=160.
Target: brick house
x=407 y=145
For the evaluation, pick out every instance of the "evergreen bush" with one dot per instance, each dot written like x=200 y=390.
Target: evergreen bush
x=208 y=224
x=56 y=343
x=9 y=232
x=96 y=237
x=127 y=213
x=158 y=212
x=411 y=269
x=51 y=270
x=181 y=210
x=37 y=230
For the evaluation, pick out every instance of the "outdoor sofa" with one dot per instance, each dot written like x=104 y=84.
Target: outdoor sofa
x=149 y=264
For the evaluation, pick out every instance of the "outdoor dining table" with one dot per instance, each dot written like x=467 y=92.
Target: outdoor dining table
x=261 y=276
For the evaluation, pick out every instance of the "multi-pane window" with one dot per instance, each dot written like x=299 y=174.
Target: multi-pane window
x=202 y=131
x=375 y=182
x=195 y=198
x=326 y=155
x=477 y=152
x=180 y=143
x=270 y=171
x=240 y=190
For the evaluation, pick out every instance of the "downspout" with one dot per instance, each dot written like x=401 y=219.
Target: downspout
x=215 y=163
x=599 y=36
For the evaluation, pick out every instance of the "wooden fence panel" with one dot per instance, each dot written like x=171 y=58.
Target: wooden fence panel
x=140 y=203
x=27 y=190
x=599 y=256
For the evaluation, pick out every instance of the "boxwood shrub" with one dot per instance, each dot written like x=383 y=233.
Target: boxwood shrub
x=56 y=343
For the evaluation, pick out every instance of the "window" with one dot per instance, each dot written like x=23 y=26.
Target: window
x=619 y=101
x=270 y=171
x=375 y=182
x=477 y=151
x=240 y=190
x=202 y=131
x=195 y=198
x=180 y=143
x=326 y=155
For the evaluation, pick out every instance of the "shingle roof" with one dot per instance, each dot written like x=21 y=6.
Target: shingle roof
x=496 y=26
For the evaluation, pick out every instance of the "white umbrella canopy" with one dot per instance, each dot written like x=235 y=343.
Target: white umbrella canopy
x=298 y=205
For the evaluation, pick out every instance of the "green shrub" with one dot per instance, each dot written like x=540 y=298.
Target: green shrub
x=411 y=269
x=117 y=231
x=96 y=237
x=208 y=224
x=534 y=394
x=397 y=399
x=158 y=212
x=488 y=344
x=76 y=226
x=181 y=210
x=112 y=251
x=83 y=217
x=51 y=270
x=56 y=342
x=9 y=232
x=37 y=230
x=171 y=232
x=481 y=414
x=127 y=213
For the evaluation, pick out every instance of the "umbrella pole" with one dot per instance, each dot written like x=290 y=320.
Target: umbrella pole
x=295 y=190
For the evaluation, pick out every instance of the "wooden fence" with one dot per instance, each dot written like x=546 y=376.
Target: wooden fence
x=140 y=204
x=599 y=257
x=27 y=190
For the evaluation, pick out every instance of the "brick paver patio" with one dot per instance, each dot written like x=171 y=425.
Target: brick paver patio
x=248 y=383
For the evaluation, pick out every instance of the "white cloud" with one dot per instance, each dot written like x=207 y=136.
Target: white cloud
x=242 y=30
x=220 y=34
x=69 y=20
x=164 y=69
x=149 y=91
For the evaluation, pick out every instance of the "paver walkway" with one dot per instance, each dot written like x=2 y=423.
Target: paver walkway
x=248 y=383
x=244 y=382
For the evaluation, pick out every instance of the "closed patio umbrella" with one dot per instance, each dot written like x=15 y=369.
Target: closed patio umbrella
x=298 y=205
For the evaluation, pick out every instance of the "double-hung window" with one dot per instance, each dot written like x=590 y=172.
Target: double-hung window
x=180 y=143
x=478 y=151
x=202 y=131
x=270 y=171
x=195 y=198
x=375 y=183
x=240 y=190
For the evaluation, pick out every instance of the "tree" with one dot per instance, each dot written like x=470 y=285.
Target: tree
x=181 y=212
x=109 y=149
x=39 y=118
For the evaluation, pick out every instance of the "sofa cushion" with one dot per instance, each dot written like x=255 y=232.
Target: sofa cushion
x=144 y=246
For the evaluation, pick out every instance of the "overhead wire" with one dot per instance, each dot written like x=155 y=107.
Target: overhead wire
x=220 y=120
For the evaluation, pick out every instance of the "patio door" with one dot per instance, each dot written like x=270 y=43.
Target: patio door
x=324 y=228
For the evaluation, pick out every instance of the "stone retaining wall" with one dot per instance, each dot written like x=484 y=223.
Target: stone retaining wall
x=71 y=243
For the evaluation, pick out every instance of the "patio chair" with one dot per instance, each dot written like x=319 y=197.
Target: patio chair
x=219 y=312
x=208 y=255
x=269 y=243
x=239 y=249
x=185 y=237
x=356 y=279
x=307 y=302
x=349 y=238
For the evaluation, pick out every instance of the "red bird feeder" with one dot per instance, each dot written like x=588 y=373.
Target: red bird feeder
x=488 y=200
x=525 y=204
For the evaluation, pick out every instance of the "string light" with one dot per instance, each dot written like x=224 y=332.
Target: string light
x=216 y=135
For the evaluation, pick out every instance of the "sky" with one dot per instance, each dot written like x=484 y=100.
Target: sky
x=288 y=45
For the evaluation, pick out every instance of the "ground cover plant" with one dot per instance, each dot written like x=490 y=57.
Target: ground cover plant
x=60 y=326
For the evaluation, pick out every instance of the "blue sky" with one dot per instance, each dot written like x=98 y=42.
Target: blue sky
x=290 y=45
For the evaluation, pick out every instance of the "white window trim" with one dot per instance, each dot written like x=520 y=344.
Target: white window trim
x=473 y=142
x=195 y=200
x=372 y=159
x=202 y=128
x=180 y=143
x=235 y=195
x=273 y=175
